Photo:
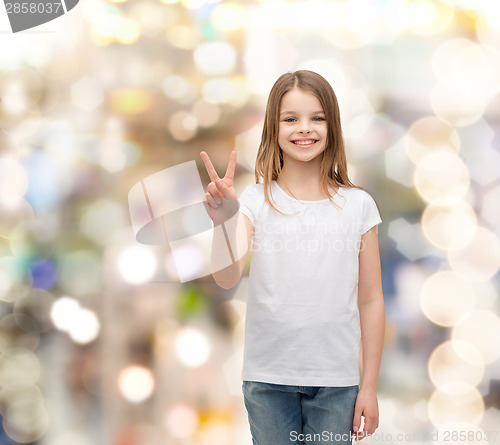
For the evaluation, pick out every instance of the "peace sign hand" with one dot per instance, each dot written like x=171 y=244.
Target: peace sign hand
x=220 y=190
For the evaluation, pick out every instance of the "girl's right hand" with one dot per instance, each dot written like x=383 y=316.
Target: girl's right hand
x=220 y=191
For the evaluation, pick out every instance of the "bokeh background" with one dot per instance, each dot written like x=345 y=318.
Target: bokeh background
x=99 y=341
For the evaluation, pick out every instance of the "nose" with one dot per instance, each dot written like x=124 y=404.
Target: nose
x=304 y=127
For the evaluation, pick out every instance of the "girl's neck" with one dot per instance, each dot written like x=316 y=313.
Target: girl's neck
x=302 y=181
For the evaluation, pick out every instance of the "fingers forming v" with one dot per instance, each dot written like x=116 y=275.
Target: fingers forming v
x=208 y=165
x=212 y=173
x=231 y=166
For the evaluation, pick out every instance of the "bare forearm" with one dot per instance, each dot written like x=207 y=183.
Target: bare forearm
x=372 y=318
x=229 y=252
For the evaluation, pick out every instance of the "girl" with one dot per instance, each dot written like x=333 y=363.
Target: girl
x=314 y=281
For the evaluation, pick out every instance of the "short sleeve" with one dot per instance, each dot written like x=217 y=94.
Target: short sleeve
x=371 y=215
x=249 y=202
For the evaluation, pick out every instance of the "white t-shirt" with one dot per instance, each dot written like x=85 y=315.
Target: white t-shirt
x=302 y=321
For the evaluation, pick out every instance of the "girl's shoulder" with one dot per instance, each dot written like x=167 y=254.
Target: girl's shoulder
x=357 y=197
x=252 y=194
x=355 y=192
x=253 y=190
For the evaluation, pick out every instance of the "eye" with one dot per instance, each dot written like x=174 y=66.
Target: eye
x=319 y=119
x=289 y=119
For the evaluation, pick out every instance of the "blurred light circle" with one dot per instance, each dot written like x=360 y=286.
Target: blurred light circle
x=31 y=240
x=481 y=328
x=151 y=17
x=43 y=274
x=428 y=17
x=359 y=104
x=193 y=4
x=13 y=274
x=183 y=126
x=181 y=421
x=455 y=402
x=446 y=297
x=483 y=164
x=137 y=264
x=441 y=178
x=22 y=331
x=183 y=37
x=466 y=66
x=14 y=100
x=136 y=383
x=87 y=93
x=100 y=220
x=459 y=108
x=241 y=91
x=64 y=313
x=86 y=327
x=246 y=144
x=445 y=366
x=356 y=24
x=449 y=227
x=490 y=209
x=192 y=347
x=110 y=151
x=14 y=214
x=21 y=87
x=470 y=6
x=37 y=304
x=488 y=26
x=14 y=181
x=19 y=367
x=131 y=100
x=228 y=16
x=486 y=294
x=59 y=139
x=429 y=134
x=206 y=114
x=128 y=32
x=25 y=421
x=480 y=259
x=27 y=323
x=266 y=53
x=468 y=353
x=105 y=23
x=80 y=271
x=49 y=176
x=215 y=58
x=379 y=129
x=19 y=391
x=110 y=25
x=74 y=437
x=336 y=74
x=25 y=129
x=176 y=87
x=219 y=90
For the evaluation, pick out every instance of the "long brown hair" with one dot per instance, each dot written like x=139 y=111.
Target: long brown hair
x=269 y=162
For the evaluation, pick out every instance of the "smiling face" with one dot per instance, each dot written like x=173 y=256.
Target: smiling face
x=302 y=126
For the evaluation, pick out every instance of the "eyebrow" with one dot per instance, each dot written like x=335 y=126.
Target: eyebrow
x=294 y=112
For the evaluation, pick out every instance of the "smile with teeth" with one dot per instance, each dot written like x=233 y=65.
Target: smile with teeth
x=305 y=142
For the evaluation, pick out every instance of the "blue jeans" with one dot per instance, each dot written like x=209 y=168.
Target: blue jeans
x=285 y=414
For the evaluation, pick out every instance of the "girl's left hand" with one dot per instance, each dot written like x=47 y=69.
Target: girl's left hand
x=366 y=406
